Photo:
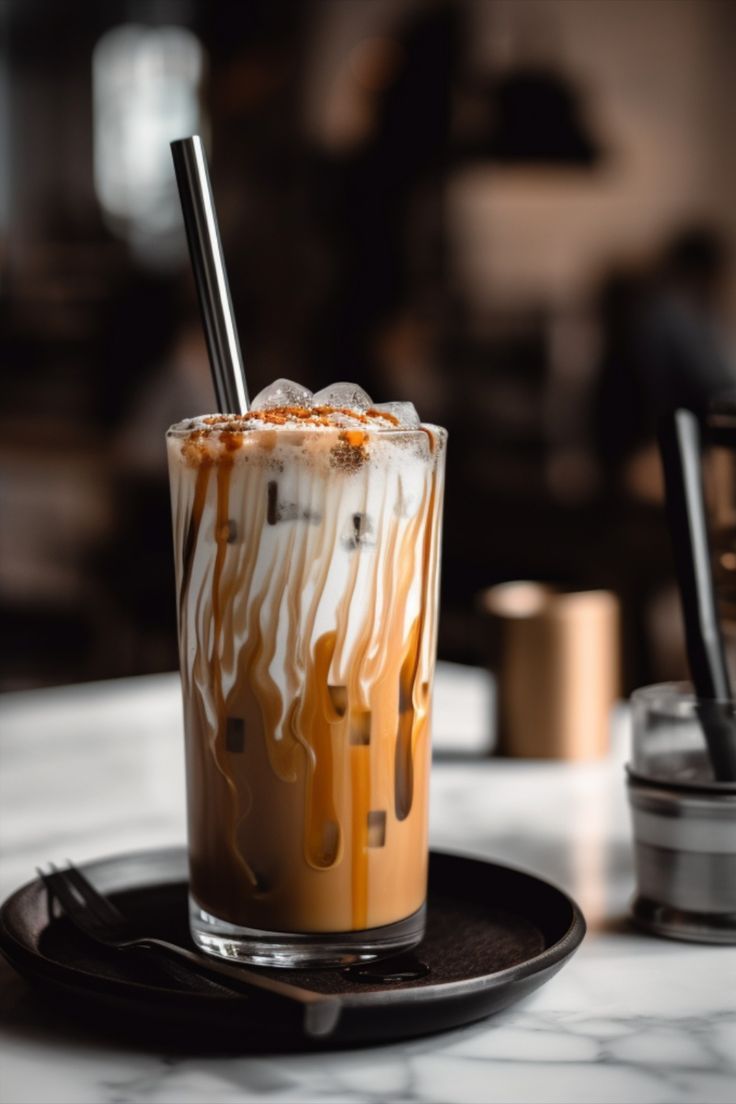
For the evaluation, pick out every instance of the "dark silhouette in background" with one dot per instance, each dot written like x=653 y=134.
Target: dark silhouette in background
x=382 y=269
x=664 y=344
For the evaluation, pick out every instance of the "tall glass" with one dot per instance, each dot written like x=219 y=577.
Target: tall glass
x=307 y=572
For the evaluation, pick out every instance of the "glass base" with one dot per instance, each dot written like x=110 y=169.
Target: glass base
x=674 y=923
x=302 y=950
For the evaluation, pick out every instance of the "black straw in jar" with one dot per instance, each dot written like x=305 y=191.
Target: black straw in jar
x=679 y=444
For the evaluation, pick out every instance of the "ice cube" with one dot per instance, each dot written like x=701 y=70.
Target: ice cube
x=338 y=699
x=343 y=394
x=235 y=734
x=404 y=412
x=330 y=844
x=376 y=828
x=282 y=392
x=360 y=728
x=412 y=484
x=357 y=532
x=277 y=511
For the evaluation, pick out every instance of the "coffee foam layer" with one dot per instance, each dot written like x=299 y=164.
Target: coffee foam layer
x=331 y=437
x=292 y=417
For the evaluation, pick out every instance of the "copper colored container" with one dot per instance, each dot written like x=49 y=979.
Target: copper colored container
x=555 y=655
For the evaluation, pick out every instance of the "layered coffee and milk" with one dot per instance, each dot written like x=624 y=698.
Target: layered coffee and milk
x=306 y=538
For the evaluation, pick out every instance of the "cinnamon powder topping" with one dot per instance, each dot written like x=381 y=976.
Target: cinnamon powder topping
x=311 y=415
x=350 y=452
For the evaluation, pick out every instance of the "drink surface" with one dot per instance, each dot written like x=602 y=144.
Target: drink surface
x=306 y=539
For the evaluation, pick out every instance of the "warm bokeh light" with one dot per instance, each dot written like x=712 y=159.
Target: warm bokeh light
x=146 y=92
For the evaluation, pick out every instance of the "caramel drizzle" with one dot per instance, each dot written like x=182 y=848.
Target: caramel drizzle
x=359 y=756
x=323 y=835
x=404 y=753
x=192 y=534
x=218 y=746
x=409 y=692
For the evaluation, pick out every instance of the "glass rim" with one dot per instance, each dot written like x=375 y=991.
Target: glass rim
x=637 y=779
x=669 y=693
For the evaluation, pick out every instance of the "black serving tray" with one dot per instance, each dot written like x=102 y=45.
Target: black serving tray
x=494 y=934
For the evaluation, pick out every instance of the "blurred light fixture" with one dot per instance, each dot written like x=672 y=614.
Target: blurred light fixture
x=536 y=112
x=530 y=115
x=145 y=85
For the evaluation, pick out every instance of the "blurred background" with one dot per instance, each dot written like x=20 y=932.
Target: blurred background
x=517 y=214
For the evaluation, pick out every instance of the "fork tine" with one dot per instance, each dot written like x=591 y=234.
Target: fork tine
x=59 y=888
x=56 y=878
x=49 y=892
x=86 y=919
x=104 y=909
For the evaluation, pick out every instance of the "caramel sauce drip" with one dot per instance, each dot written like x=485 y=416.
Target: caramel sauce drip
x=224 y=469
x=409 y=688
x=360 y=786
x=192 y=532
x=322 y=834
x=404 y=756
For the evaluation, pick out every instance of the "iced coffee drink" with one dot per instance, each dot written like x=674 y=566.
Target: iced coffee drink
x=306 y=542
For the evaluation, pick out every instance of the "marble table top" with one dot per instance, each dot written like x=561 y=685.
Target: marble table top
x=91 y=770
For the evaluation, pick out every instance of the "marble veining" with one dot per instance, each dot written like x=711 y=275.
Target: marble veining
x=88 y=771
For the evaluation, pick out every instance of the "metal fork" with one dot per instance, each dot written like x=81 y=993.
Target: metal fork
x=100 y=920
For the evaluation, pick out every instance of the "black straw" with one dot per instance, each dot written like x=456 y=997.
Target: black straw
x=679 y=443
x=210 y=275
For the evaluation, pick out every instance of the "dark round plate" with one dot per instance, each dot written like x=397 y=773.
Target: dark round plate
x=494 y=934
